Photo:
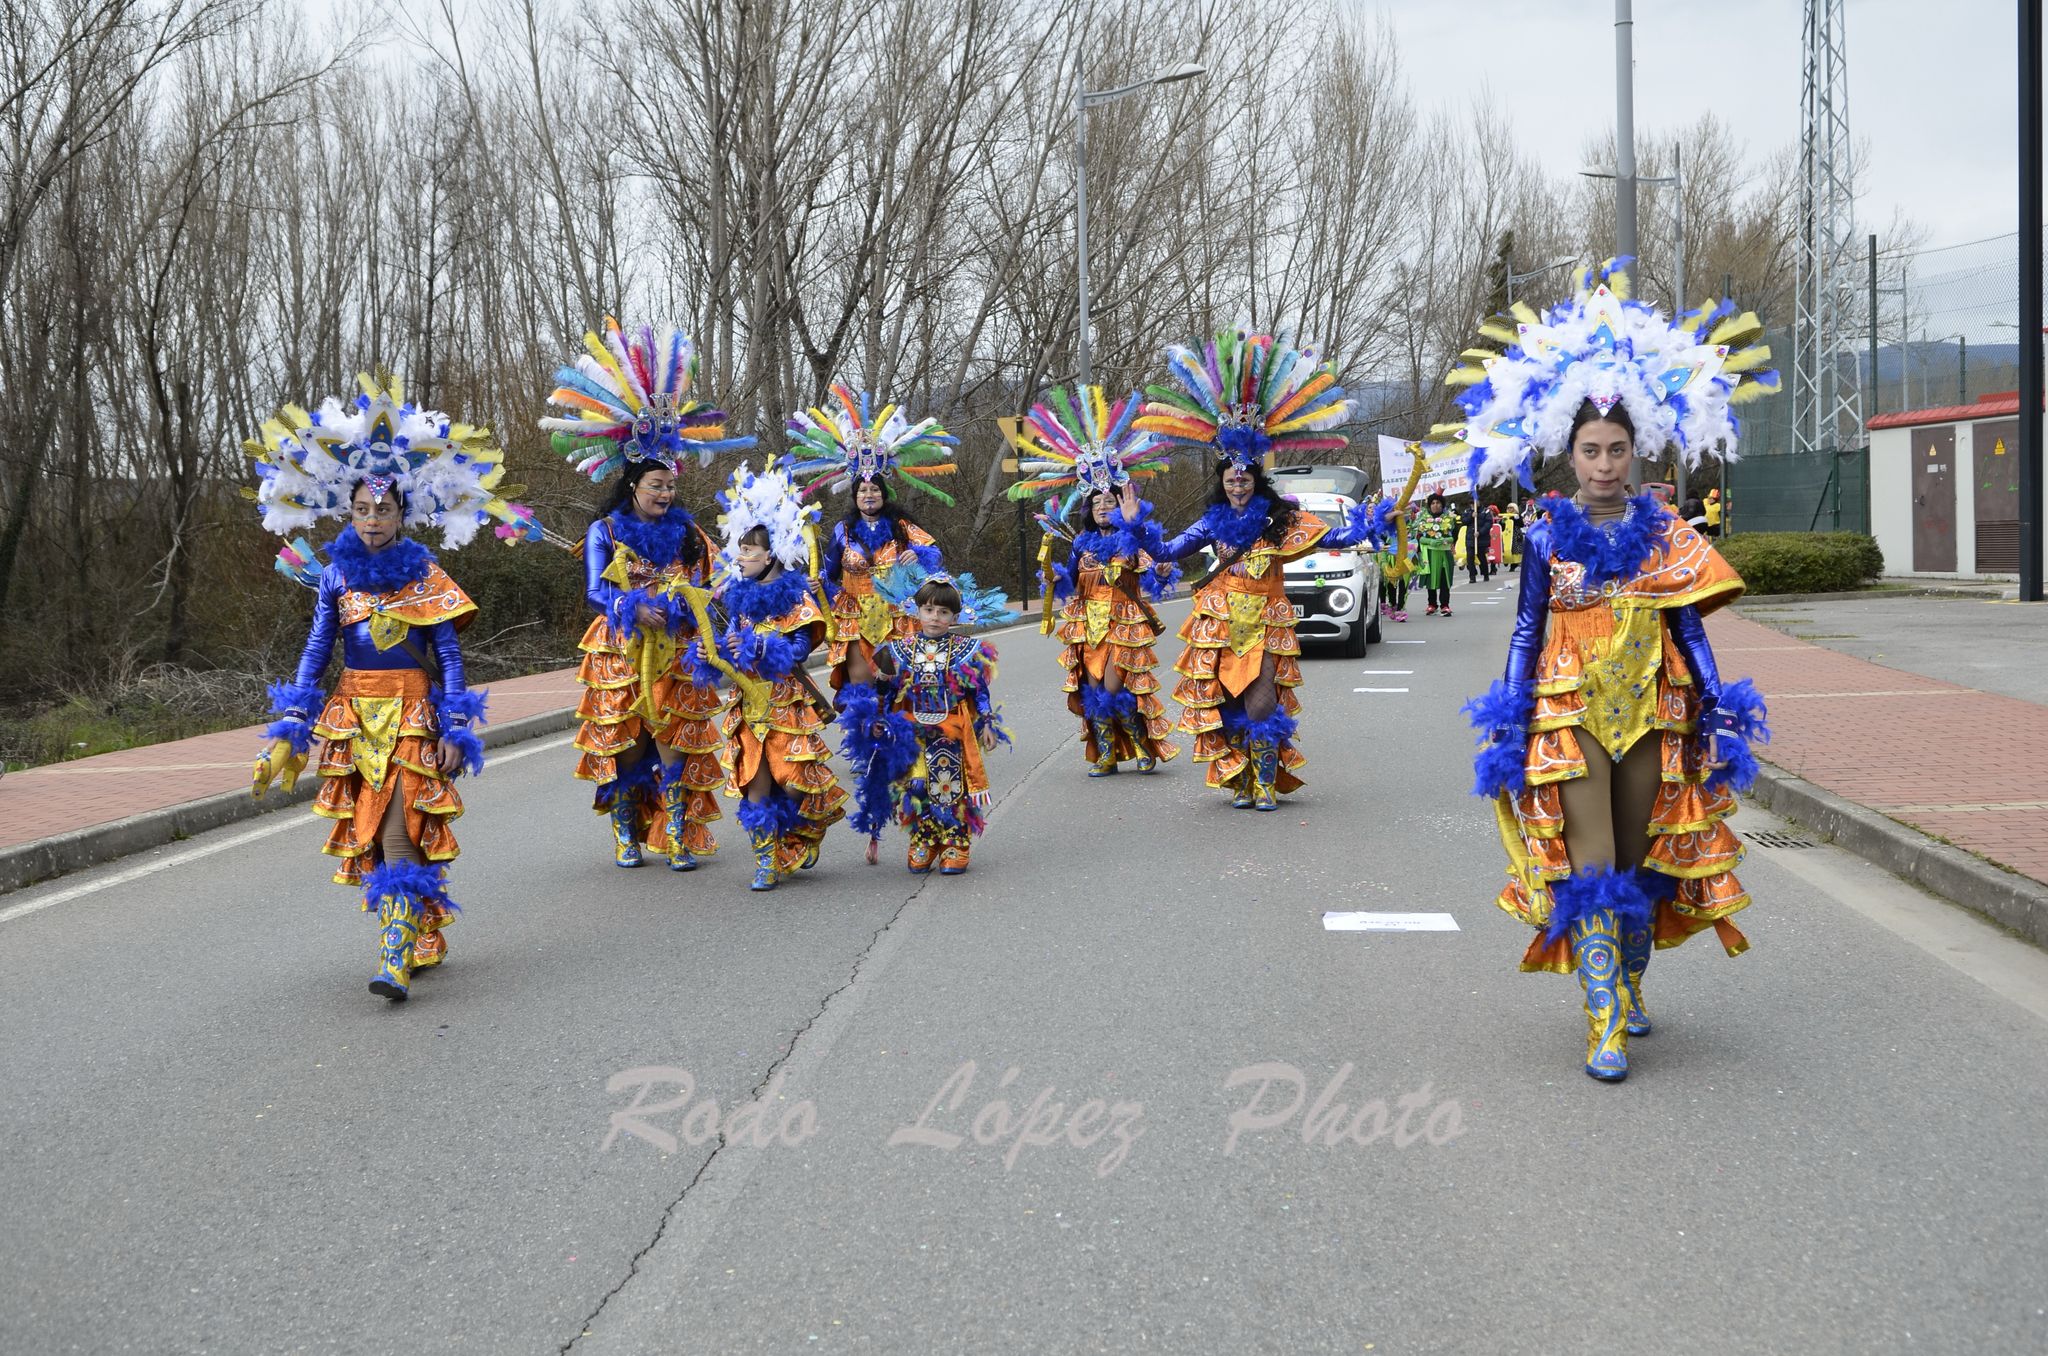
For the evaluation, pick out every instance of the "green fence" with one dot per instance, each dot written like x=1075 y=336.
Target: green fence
x=1800 y=492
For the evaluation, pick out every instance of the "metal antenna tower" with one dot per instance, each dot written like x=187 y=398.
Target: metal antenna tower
x=1827 y=406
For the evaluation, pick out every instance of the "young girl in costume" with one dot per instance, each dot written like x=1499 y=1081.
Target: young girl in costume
x=857 y=451
x=941 y=709
x=398 y=726
x=1241 y=398
x=774 y=750
x=1612 y=747
x=649 y=737
x=1110 y=578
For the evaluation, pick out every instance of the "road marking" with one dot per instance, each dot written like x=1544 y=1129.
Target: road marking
x=1339 y=921
x=1379 y=689
x=1404 y=642
x=1387 y=673
x=286 y=820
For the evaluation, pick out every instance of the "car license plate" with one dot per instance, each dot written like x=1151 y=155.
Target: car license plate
x=1300 y=611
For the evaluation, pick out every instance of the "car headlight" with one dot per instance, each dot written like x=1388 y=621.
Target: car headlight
x=1341 y=601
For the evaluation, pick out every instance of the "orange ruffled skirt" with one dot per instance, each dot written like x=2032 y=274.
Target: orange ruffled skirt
x=1213 y=671
x=381 y=736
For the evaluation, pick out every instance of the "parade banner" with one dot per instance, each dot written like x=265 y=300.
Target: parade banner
x=1447 y=478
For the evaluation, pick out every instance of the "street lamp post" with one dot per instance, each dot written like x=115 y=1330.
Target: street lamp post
x=1084 y=99
x=1626 y=184
x=1536 y=272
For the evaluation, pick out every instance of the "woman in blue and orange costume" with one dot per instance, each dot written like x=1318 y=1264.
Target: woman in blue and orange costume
x=856 y=450
x=773 y=747
x=649 y=737
x=1612 y=748
x=939 y=717
x=399 y=725
x=1243 y=397
x=1088 y=457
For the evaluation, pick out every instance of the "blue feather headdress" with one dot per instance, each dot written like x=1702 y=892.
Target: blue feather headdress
x=978 y=606
x=1676 y=380
x=836 y=449
x=1082 y=447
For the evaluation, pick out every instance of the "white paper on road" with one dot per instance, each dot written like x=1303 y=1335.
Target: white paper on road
x=1337 y=921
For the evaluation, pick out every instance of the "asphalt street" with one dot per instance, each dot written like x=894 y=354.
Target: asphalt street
x=1049 y=1105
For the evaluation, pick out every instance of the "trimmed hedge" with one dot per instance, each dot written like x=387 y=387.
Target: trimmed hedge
x=1803 y=562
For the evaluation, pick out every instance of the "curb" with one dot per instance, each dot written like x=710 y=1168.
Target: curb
x=2008 y=899
x=48 y=858
x=1863 y=595
x=32 y=863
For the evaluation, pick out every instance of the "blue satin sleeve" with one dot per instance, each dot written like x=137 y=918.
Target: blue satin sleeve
x=1187 y=543
x=1532 y=605
x=1689 y=633
x=832 y=560
x=597 y=558
x=1356 y=530
x=448 y=649
x=326 y=622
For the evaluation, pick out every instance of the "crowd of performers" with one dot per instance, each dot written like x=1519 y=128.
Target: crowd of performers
x=1611 y=749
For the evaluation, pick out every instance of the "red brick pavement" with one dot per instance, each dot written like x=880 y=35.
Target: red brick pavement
x=63 y=797
x=1967 y=766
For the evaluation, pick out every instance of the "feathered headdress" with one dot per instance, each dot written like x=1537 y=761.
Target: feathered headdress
x=1246 y=395
x=309 y=465
x=1677 y=381
x=1086 y=450
x=857 y=442
x=765 y=500
x=978 y=605
x=631 y=400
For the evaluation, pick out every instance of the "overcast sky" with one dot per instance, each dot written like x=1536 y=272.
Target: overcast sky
x=1931 y=86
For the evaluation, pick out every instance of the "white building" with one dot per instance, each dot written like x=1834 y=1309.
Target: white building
x=1944 y=489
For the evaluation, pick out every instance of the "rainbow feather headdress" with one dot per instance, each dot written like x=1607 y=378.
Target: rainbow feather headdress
x=309 y=465
x=1246 y=395
x=1676 y=380
x=837 y=449
x=766 y=499
x=631 y=401
x=1085 y=447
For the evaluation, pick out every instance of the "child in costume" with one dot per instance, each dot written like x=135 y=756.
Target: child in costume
x=1240 y=398
x=1612 y=747
x=399 y=724
x=774 y=750
x=857 y=450
x=1088 y=456
x=1436 y=529
x=649 y=737
x=939 y=688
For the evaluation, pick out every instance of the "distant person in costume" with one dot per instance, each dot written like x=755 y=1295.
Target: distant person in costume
x=1612 y=747
x=400 y=723
x=1511 y=536
x=1436 y=531
x=1714 y=509
x=1239 y=399
x=649 y=737
x=1085 y=452
x=774 y=751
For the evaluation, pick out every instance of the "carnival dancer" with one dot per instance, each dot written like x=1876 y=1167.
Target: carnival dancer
x=649 y=737
x=774 y=750
x=939 y=693
x=1087 y=457
x=399 y=725
x=1511 y=536
x=857 y=450
x=1243 y=397
x=1612 y=747
x=1436 y=528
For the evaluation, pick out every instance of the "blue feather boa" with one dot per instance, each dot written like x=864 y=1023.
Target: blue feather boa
x=659 y=543
x=293 y=708
x=879 y=758
x=624 y=613
x=1615 y=551
x=403 y=562
x=1237 y=529
x=456 y=712
x=757 y=602
x=1501 y=715
x=781 y=813
x=408 y=880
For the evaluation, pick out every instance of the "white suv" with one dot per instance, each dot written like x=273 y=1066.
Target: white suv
x=1335 y=593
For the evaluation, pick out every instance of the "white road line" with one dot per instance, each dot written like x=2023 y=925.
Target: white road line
x=1379 y=689
x=1404 y=642
x=1387 y=673
x=286 y=820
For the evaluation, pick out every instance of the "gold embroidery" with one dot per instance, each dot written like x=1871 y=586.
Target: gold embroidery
x=1247 y=621
x=378 y=720
x=1098 y=620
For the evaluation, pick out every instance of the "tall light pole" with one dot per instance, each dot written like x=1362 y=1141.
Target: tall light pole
x=1624 y=135
x=1084 y=99
x=1628 y=190
x=1513 y=277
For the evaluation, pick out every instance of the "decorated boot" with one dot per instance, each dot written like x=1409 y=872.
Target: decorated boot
x=1265 y=771
x=675 y=797
x=924 y=849
x=765 y=845
x=1594 y=908
x=953 y=856
x=1638 y=940
x=1105 y=744
x=430 y=948
x=400 y=892
x=625 y=829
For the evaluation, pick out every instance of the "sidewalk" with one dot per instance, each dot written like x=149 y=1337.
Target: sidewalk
x=1964 y=766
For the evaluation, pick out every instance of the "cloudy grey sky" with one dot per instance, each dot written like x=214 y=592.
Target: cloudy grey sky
x=1931 y=86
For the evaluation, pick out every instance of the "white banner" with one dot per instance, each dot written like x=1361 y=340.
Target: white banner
x=1446 y=477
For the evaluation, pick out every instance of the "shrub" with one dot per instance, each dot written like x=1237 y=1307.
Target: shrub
x=1803 y=562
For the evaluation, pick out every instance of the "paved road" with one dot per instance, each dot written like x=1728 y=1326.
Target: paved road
x=1989 y=645
x=213 y=1140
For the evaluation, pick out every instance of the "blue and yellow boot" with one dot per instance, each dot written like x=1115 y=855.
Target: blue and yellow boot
x=766 y=821
x=1265 y=771
x=1638 y=940
x=675 y=799
x=625 y=830
x=399 y=892
x=1098 y=715
x=1595 y=907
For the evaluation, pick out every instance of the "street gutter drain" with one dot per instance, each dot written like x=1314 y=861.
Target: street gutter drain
x=1765 y=838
